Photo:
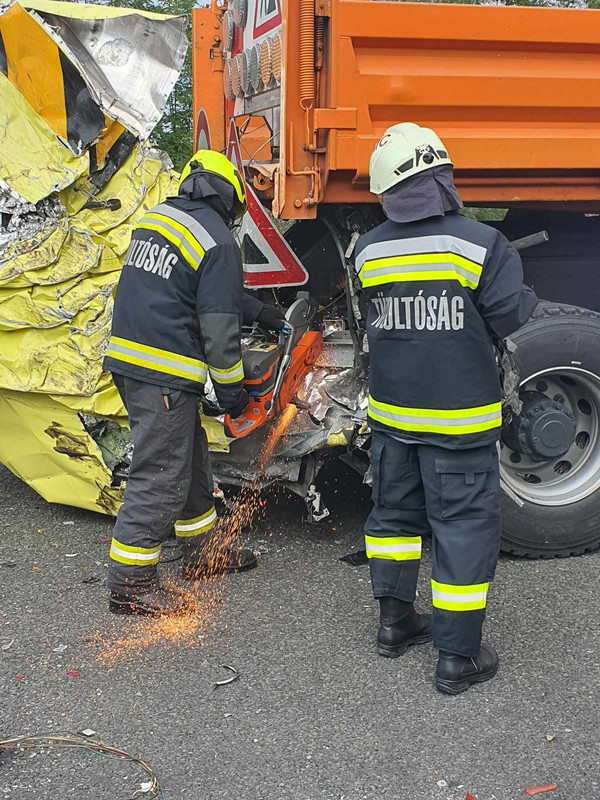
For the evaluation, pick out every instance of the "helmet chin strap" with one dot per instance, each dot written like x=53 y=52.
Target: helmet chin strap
x=203 y=185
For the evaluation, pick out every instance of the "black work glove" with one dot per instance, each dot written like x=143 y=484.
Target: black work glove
x=240 y=405
x=271 y=317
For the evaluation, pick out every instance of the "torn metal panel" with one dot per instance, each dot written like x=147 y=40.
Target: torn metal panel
x=58 y=94
x=130 y=60
x=73 y=269
x=349 y=389
x=33 y=162
x=46 y=444
x=69 y=197
x=64 y=255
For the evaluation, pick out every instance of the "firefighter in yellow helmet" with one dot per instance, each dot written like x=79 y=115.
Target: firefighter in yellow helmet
x=178 y=313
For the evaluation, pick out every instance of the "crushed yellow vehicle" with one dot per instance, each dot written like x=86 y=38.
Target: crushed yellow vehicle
x=81 y=87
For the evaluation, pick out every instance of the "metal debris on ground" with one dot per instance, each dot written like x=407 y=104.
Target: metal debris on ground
x=60 y=649
x=8 y=645
x=231 y=679
x=152 y=787
x=547 y=787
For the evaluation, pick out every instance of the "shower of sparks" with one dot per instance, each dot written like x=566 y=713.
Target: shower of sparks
x=200 y=602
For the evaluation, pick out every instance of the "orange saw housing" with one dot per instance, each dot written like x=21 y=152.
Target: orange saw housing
x=264 y=403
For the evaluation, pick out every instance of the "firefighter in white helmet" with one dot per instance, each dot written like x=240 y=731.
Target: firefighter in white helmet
x=441 y=288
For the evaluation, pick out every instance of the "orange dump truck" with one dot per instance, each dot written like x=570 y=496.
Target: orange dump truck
x=299 y=92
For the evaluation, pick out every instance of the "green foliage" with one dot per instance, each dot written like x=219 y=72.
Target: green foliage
x=174 y=132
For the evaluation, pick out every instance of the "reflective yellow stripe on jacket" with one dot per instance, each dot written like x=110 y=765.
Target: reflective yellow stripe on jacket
x=459 y=598
x=433 y=420
x=427 y=267
x=394 y=548
x=197 y=525
x=134 y=556
x=153 y=358
x=422 y=258
x=181 y=230
x=230 y=375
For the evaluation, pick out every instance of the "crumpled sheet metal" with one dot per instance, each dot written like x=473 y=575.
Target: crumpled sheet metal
x=45 y=444
x=59 y=265
x=56 y=298
x=33 y=162
x=76 y=81
x=129 y=59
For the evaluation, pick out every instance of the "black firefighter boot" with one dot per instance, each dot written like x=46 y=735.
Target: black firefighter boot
x=152 y=601
x=208 y=562
x=400 y=626
x=456 y=673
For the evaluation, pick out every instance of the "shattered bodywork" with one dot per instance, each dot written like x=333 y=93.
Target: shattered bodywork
x=76 y=173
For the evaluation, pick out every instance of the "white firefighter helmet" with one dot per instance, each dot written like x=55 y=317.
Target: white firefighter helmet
x=403 y=151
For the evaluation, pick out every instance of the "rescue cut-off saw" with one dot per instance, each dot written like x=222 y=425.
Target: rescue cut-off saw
x=273 y=370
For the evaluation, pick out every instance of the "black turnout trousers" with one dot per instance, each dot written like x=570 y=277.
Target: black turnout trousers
x=455 y=494
x=170 y=483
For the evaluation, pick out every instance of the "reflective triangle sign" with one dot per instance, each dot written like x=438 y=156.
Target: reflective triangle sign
x=267 y=16
x=268 y=259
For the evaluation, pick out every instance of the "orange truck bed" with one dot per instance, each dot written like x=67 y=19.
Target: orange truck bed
x=513 y=92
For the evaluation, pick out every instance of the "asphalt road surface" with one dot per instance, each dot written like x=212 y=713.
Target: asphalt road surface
x=315 y=714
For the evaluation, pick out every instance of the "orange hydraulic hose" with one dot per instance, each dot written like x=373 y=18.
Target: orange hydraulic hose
x=307 y=53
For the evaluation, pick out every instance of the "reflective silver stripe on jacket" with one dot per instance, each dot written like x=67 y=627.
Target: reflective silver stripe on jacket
x=411 y=269
x=418 y=245
x=193 y=226
x=494 y=416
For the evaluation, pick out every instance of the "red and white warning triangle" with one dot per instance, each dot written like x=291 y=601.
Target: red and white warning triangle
x=268 y=258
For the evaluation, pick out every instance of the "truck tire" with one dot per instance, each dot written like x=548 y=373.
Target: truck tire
x=558 y=508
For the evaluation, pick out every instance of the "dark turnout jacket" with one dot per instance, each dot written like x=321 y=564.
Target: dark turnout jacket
x=439 y=290
x=180 y=304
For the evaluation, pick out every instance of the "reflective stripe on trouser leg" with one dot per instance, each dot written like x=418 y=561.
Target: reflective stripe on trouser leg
x=394 y=527
x=134 y=556
x=459 y=598
x=394 y=548
x=188 y=528
x=462 y=490
x=158 y=482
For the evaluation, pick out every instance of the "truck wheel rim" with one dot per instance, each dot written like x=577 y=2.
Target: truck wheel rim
x=576 y=474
